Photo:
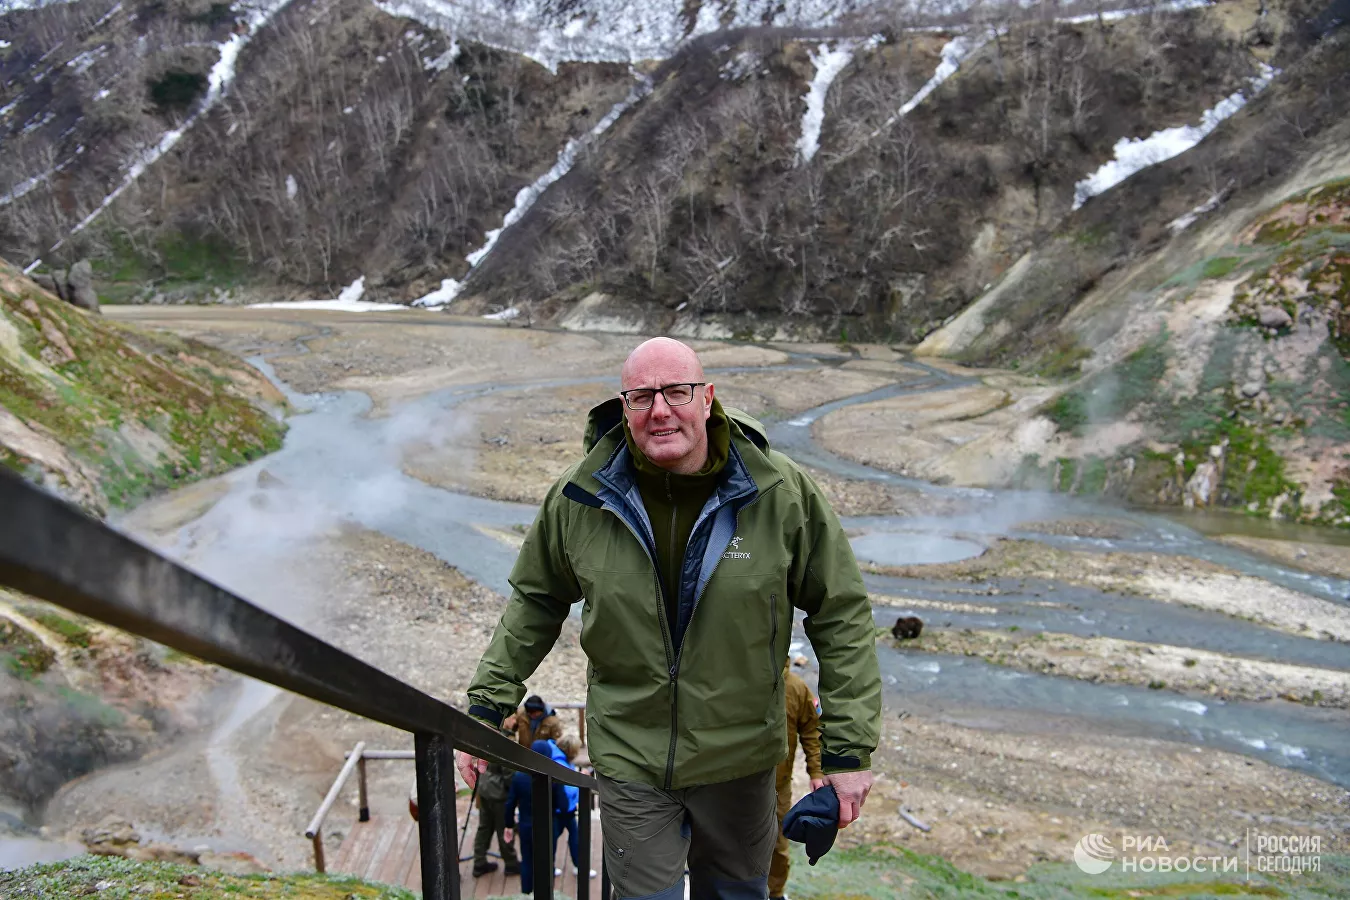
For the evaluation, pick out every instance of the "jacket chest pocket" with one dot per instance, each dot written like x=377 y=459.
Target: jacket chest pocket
x=734 y=652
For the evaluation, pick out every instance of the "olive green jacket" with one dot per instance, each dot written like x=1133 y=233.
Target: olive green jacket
x=704 y=702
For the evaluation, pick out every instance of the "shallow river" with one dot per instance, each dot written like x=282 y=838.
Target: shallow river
x=351 y=464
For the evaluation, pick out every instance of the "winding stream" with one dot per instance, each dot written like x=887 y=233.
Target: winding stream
x=346 y=467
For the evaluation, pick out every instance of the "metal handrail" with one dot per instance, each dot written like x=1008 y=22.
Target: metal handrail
x=53 y=550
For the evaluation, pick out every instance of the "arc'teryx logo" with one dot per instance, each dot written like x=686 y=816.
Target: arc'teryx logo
x=735 y=552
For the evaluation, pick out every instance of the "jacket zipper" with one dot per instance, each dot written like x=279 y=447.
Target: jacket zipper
x=679 y=654
x=674 y=687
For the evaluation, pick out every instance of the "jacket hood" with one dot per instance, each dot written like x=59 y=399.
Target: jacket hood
x=603 y=419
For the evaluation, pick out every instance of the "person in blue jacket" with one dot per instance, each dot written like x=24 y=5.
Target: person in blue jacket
x=521 y=797
x=567 y=820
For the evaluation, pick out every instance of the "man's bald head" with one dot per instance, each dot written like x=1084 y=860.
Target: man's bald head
x=674 y=437
x=660 y=354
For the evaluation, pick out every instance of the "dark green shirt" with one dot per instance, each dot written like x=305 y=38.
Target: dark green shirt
x=674 y=501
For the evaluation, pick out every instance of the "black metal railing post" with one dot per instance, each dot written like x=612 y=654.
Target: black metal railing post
x=436 y=817
x=542 y=797
x=584 y=839
x=605 y=889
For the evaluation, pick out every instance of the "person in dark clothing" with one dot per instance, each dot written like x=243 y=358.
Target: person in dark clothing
x=521 y=798
x=492 y=790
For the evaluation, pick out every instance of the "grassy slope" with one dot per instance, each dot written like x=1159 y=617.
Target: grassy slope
x=1297 y=257
x=884 y=872
x=114 y=878
x=124 y=411
x=879 y=872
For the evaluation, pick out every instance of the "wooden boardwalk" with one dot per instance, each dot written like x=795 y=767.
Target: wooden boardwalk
x=386 y=849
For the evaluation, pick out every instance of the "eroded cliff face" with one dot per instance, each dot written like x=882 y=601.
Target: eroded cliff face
x=105 y=413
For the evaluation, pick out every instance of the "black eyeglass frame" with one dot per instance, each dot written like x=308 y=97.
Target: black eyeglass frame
x=662 y=391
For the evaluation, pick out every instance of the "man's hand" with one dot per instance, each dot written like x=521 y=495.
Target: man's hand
x=817 y=783
x=852 y=789
x=469 y=767
x=509 y=834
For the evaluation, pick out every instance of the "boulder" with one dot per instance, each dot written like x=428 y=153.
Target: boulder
x=1274 y=317
x=80 y=286
x=1251 y=389
x=907 y=628
x=59 y=288
x=47 y=283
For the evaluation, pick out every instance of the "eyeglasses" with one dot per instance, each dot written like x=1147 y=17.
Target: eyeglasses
x=675 y=394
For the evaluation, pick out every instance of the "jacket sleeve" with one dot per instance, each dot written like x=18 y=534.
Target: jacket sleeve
x=808 y=731
x=839 y=625
x=543 y=588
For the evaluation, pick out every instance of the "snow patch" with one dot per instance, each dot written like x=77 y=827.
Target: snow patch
x=354 y=291
x=566 y=159
x=444 y=61
x=84 y=61
x=333 y=305
x=1136 y=154
x=291 y=187
x=441 y=297
x=607 y=30
x=221 y=77
x=102 y=94
x=828 y=64
x=505 y=315
x=1181 y=223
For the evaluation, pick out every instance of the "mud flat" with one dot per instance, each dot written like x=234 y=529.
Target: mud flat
x=1001 y=796
x=1172 y=579
x=1159 y=666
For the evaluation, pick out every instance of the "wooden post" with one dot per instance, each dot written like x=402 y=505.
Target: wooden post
x=436 y=816
x=584 y=839
x=319 y=864
x=543 y=837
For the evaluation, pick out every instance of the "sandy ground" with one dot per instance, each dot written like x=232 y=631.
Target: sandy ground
x=1103 y=659
x=1171 y=579
x=1001 y=799
x=999 y=794
x=1322 y=559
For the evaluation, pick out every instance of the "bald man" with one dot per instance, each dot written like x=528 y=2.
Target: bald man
x=690 y=543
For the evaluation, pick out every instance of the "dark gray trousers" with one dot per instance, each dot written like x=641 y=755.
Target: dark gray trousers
x=723 y=832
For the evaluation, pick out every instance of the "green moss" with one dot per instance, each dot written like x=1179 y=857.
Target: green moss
x=1068 y=411
x=23 y=653
x=1067 y=469
x=124 y=391
x=116 y=878
x=74 y=633
x=1093 y=480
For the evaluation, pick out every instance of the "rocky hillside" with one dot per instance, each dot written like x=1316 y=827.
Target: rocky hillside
x=81 y=696
x=104 y=413
x=815 y=166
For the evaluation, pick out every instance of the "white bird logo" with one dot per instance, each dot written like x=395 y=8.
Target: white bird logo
x=736 y=543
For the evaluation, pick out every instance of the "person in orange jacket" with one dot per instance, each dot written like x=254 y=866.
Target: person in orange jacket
x=803 y=723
